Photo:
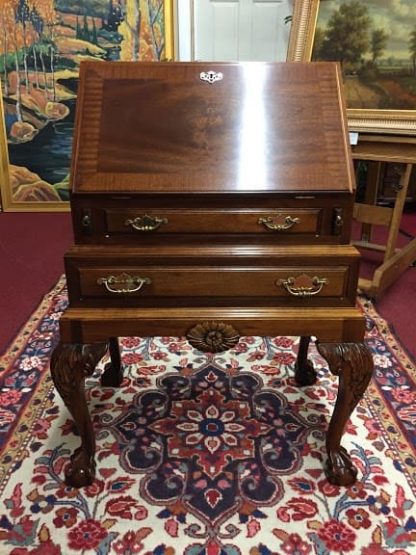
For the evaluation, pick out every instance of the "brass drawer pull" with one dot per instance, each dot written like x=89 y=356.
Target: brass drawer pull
x=146 y=223
x=270 y=223
x=303 y=286
x=124 y=283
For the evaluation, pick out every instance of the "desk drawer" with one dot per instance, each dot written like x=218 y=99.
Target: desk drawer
x=273 y=279
x=279 y=221
x=272 y=218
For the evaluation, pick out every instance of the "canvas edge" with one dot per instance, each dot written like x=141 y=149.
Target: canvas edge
x=4 y=160
x=305 y=16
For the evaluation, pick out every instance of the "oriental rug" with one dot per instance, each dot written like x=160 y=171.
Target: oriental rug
x=202 y=454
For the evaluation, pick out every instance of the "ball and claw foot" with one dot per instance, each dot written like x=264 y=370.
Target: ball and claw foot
x=339 y=469
x=353 y=364
x=81 y=470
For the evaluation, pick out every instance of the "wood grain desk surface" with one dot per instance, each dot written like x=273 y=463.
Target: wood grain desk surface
x=262 y=127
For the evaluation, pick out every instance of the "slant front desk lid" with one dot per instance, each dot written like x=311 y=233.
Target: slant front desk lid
x=179 y=127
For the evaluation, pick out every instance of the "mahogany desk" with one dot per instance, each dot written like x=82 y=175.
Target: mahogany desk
x=211 y=201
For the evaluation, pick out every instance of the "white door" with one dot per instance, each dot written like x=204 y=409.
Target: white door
x=226 y=30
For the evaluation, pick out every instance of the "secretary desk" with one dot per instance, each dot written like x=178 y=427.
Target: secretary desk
x=211 y=201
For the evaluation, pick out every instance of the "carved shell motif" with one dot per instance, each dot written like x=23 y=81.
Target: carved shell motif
x=213 y=337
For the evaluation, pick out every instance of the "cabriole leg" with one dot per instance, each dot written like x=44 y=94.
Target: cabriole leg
x=304 y=371
x=113 y=372
x=70 y=365
x=353 y=363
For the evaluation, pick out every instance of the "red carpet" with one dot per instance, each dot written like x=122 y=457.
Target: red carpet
x=169 y=482
x=396 y=304
x=31 y=261
x=31 y=254
x=408 y=224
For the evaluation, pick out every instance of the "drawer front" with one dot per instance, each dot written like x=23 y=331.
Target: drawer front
x=127 y=285
x=212 y=282
x=277 y=222
x=274 y=218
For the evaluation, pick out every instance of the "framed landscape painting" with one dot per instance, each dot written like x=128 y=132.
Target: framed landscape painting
x=42 y=43
x=375 y=43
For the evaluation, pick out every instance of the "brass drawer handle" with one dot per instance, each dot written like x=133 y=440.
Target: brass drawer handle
x=146 y=223
x=124 y=283
x=270 y=223
x=303 y=286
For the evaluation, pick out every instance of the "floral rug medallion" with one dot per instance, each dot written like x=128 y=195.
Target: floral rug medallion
x=213 y=442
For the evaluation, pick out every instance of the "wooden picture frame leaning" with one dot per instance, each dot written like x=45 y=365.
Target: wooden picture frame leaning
x=307 y=19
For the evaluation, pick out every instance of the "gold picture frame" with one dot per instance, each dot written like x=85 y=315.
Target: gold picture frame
x=73 y=36
x=301 y=43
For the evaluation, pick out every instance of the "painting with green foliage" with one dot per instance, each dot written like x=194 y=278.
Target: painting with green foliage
x=375 y=41
x=42 y=43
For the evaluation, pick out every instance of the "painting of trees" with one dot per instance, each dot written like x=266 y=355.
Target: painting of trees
x=42 y=43
x=143 y=30
x=28 y=33
x=155 y=14
x=346 y=37
x=378 y=44
x=375 y=42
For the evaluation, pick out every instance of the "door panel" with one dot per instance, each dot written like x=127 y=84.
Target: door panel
x=240 y=29
x=216 y=26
